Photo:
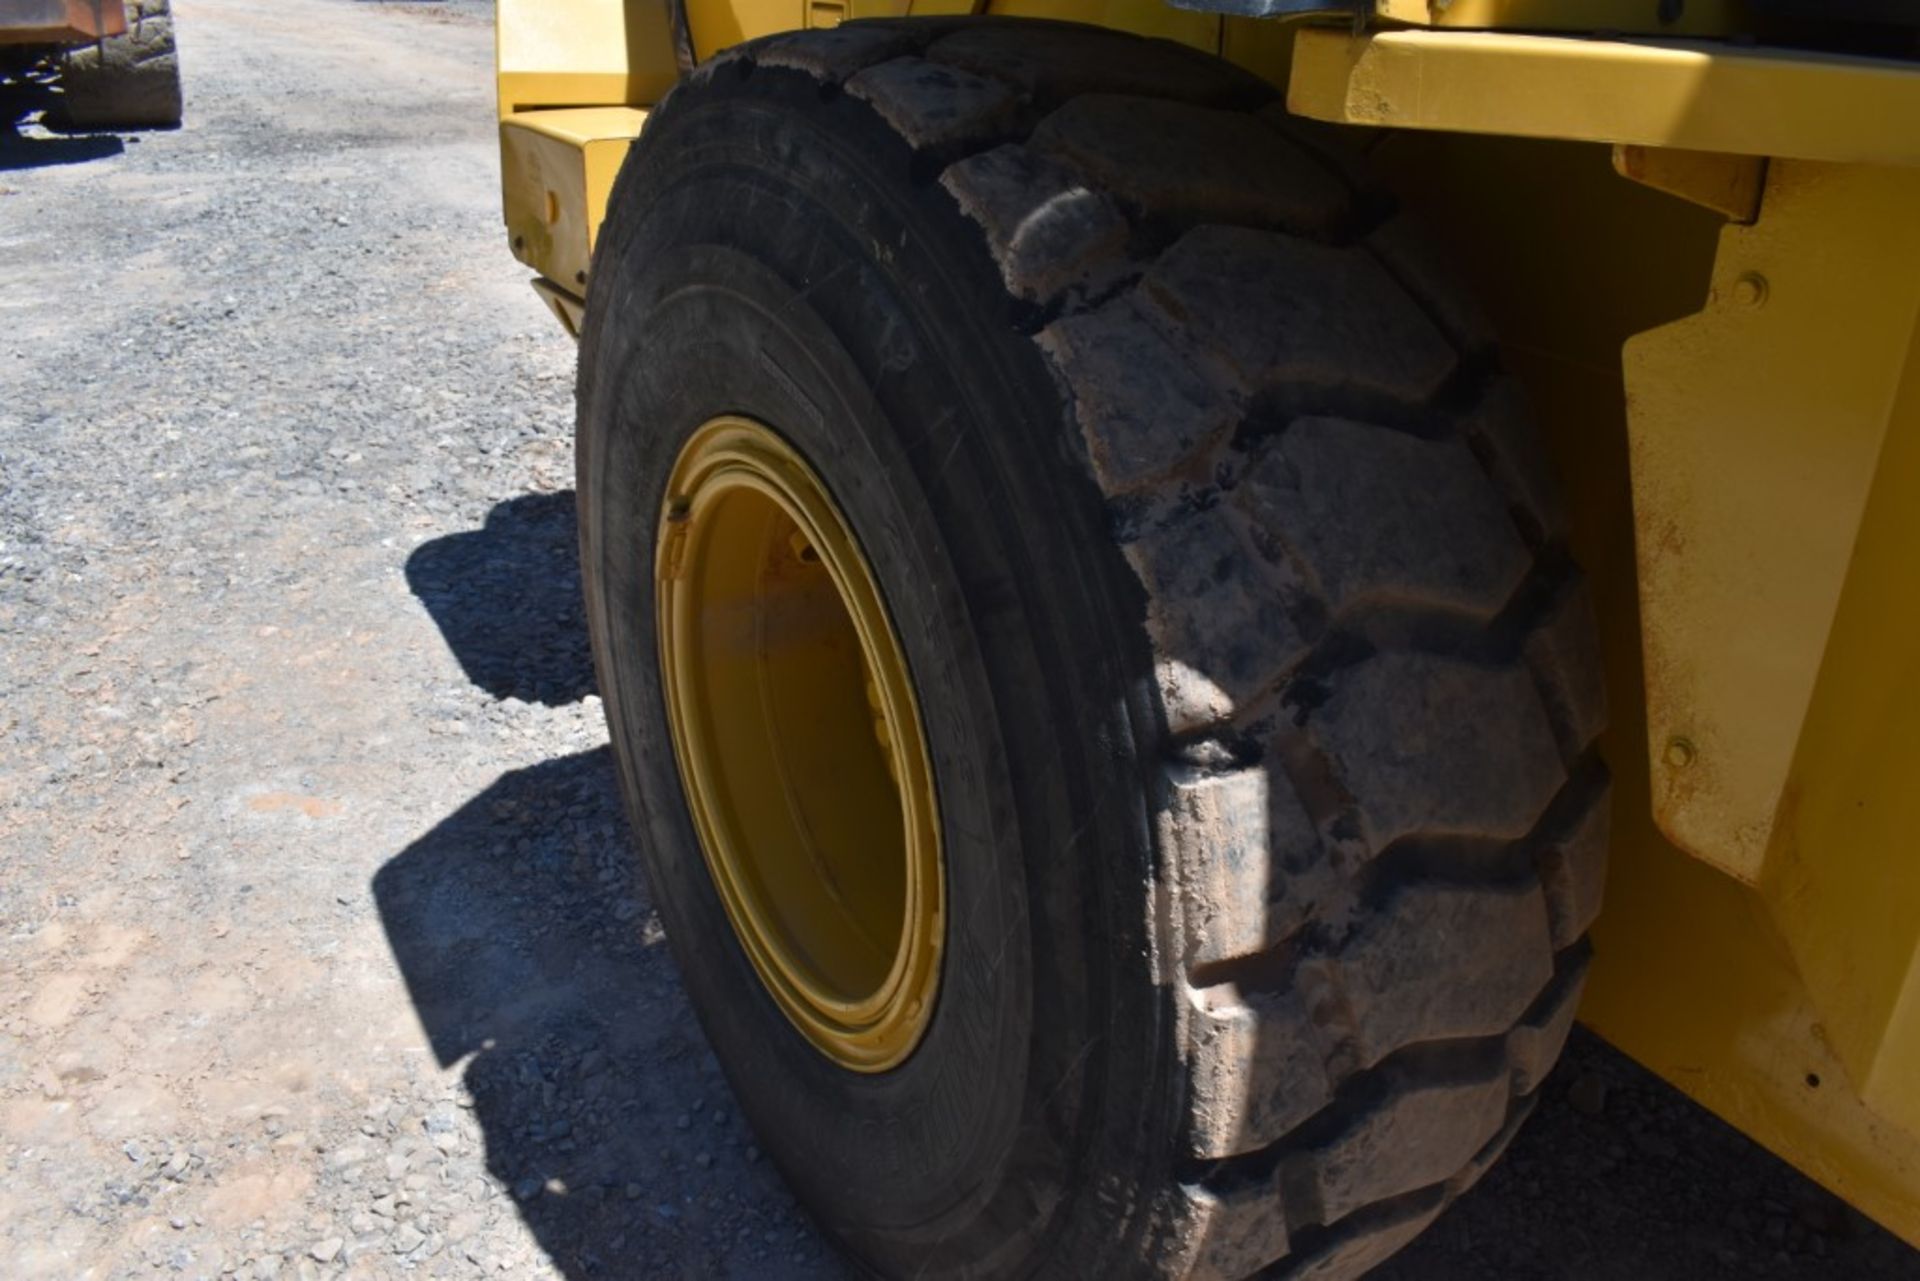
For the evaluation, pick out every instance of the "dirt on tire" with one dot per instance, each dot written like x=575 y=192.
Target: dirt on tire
x=1379 y=815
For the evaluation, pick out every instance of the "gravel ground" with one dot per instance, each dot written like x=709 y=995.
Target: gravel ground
x=324 y=950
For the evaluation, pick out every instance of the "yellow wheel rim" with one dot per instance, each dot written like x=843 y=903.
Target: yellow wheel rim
x=800 y=745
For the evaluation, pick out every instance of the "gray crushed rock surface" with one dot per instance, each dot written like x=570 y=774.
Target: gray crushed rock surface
x=324 y=951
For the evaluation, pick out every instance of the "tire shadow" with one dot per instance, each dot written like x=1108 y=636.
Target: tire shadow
x=507 y=599
x=529 y=949
x=1622 y=1178
x=523 y=929
x=18 y=151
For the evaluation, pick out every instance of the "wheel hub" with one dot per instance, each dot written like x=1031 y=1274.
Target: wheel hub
x=800 y=746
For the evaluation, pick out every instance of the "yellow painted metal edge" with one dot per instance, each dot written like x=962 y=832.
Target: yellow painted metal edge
x=578 y=126
x=1695 y=18
x=1728 y=185
x=570 y=311
x=557 y=172
x=1697 y=96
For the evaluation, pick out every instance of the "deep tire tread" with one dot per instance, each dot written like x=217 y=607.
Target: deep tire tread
x=1311 y=874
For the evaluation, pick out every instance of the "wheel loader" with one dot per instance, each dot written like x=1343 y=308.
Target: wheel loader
x=1152 y=566
x=91 y=64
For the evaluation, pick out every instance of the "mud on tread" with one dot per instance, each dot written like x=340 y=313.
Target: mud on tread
x=1354 y=569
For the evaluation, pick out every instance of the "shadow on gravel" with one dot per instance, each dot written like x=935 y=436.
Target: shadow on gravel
x=523 y=931
x=507 y=599
x=17 y=152
x=516 y=952
x=526 y=943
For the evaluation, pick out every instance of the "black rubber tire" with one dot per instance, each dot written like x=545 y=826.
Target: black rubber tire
x=125 y=82
x=1261 y=692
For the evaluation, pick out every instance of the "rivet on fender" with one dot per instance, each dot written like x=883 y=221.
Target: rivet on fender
x=1750 y=290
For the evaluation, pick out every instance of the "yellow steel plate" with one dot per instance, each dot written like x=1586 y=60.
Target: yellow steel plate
x=1695 y=18
x=557 y=170
x=576 y=53
x=1697 y=96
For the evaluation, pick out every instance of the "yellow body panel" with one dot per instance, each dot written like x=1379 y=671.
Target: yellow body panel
x=557 y=169
x=1704 y=262
x=718 y=26
x=583 y=53
x=1695 y=18
x=1841 y=875
x=1201 y=30
x=1702 y=97
x=1775 y=440
x=1756 y=427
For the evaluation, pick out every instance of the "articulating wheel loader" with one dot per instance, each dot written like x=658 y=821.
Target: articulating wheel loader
x=1150 y=567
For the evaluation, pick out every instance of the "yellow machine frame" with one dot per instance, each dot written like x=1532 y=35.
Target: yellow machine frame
x=1705 y=262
